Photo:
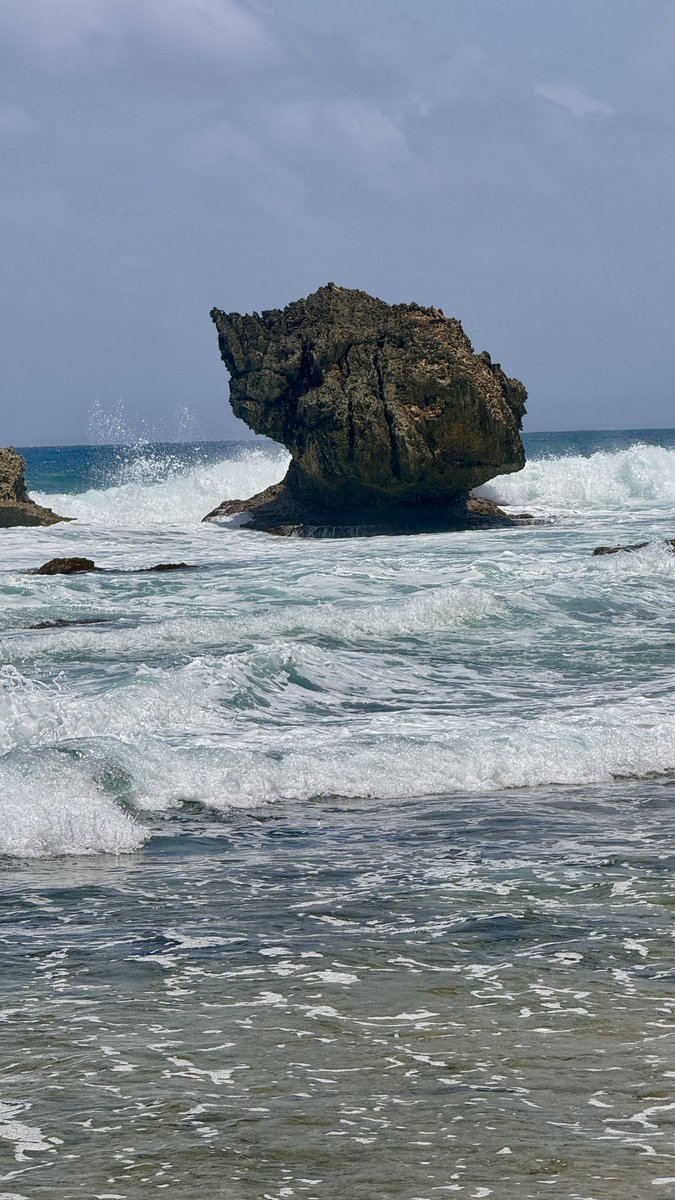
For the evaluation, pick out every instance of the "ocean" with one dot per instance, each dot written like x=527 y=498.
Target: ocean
x=339 y=868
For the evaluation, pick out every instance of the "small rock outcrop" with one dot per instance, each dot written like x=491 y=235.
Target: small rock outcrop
x=170 y=566
x=66 y=566
x=390 y=417
x=75 y=566
x=16 y=506
x=669 y=543
x=67 y=623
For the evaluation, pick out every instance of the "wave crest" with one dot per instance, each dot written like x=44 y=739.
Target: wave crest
x=153 y=489
x=640 y=476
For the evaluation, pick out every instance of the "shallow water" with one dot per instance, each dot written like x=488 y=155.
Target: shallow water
x=339 y=868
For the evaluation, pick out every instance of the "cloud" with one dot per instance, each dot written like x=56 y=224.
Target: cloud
x=574 y=99
x=52 y=26
x=281 y=153
x=341 y=128
x=219 y=28
x=215 y=28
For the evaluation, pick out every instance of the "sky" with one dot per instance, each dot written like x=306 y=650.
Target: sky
x=512 y=163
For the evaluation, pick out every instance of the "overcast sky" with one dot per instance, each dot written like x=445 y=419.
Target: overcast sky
x=510 y=162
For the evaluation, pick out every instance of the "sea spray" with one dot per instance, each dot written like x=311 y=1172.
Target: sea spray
x=152 y=487
x=641 y=476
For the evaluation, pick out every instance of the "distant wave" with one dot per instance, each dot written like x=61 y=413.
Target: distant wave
x=639 y=476
x=154 y=490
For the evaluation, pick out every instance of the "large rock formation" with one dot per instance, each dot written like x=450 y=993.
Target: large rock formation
x=388 y=414
x=16 y=506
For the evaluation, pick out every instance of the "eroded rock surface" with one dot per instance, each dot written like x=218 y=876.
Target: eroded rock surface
x=390 y=417
x=669 y=543
x=16 y=506
x=66 y=566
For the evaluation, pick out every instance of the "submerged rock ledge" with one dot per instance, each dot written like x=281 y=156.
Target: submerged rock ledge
x=78 y=566
x=390 y=417
x=275 y=511
x=669 y=544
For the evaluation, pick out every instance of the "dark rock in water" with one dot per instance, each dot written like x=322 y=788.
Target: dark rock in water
x=169 y=566
x=16 y=506
x=270 y=511
x=669 y=543
x=65 y=623
x=618 y=549
x=390 y=417
x=73 y=566
x=65 y=566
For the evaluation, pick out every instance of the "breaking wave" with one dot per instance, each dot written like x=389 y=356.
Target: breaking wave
x=287 y=671
x=152 y=489
x=52 y=804
x=640 y=476
x=84 y=774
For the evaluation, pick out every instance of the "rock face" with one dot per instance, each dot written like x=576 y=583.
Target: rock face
x=388 y=414
x=16 y=506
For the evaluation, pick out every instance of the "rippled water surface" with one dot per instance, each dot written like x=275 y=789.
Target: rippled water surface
x=339 y=868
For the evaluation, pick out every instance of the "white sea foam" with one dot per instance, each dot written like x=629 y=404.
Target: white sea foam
x=287 y=671
x=50 y=805
x=431 y=610
x=639 y=476
x=26 y=1138
x=61 y=812
x=514 y=595
x=615 y=741
x=428 y=610
x=151 y=491
x=197 y=733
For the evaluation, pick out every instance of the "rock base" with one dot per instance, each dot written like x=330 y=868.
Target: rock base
x=276 y=511
x=16 y=506
x=12 y=515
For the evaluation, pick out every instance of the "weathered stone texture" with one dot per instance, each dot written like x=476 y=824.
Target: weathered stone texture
x=16 y=506
x=385 y=409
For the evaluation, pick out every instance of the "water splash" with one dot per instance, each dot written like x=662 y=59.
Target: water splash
x=641 y=476
x=152 y=484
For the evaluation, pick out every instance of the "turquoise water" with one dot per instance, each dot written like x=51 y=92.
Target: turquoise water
x=339 y=868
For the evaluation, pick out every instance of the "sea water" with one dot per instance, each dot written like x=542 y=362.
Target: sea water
x=338 y=868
